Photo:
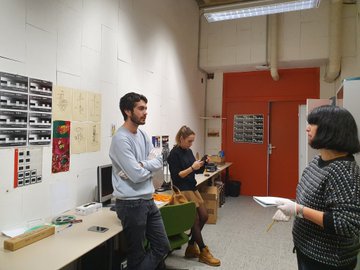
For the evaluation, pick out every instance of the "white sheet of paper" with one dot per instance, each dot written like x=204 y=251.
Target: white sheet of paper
x=14 y=232
x=267 y=201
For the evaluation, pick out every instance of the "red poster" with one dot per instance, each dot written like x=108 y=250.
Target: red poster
x=61 y=147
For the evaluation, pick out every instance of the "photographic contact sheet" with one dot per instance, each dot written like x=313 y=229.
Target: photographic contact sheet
x=248 y=128
x=25 y=111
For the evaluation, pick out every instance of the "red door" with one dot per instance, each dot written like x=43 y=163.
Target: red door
x=250 y=159
x=284 y=155
x=261 y=174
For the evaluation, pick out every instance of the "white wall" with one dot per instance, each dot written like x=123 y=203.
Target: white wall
x=105 y=46
x=240 y=45
x=214 y=108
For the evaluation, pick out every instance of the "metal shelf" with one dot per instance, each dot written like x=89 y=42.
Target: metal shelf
x=212 y=118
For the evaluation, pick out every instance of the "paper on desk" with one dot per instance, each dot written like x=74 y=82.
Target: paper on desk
x=268 y=201
x=14 y=232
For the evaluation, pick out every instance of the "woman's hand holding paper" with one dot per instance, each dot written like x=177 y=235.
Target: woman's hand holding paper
x=288 y=207
x=280 y=216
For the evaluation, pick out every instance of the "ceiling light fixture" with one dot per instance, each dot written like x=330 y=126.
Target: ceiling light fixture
x=258 y=8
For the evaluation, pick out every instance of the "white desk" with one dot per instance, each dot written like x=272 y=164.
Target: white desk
x=64 y=247
x=67 y=245
x=201 y=178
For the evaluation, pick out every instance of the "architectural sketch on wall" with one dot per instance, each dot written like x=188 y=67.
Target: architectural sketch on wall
x=80 y=105
x=77 y=137
x=62 y=103
x=94 y=113
x=28 y=166
x=25 y=110
x=93 y=137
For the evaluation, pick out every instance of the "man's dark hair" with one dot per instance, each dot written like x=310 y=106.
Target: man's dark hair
x=336 y=129
x=127 y=102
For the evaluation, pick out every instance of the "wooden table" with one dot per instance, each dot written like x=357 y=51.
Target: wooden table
x=201 y=178
x=65 y=246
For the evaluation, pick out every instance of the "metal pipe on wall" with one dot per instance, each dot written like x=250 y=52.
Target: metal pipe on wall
x=334 y=65
x=273 y=44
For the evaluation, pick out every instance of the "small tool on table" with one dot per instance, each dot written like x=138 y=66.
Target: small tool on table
x=75 y=221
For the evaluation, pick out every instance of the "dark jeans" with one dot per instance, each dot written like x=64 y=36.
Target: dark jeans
x=141 y=220
x=305 y=263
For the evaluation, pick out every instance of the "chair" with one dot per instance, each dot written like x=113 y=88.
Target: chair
x=178 y=219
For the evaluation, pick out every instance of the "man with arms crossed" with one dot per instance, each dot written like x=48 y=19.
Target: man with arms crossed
x=133 y=162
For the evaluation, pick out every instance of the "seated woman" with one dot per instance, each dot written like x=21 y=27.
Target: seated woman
x=183 y=166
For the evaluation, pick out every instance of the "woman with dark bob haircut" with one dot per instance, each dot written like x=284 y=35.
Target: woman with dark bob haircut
x=336 y=129
x=327 y=209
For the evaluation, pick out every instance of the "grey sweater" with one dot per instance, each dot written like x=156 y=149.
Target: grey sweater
x=128 y=151
x=334 y=188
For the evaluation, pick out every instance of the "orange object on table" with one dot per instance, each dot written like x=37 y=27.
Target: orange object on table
x=161 y=197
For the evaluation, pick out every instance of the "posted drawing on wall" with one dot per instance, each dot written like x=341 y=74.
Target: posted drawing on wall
x=62 y=103
x=165 y=141
x=156 y=141
x=93 y=137
x=61 y=147
x=78 y=137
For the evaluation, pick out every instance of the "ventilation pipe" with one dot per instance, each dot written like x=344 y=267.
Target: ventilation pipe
x=273 y=44
x=334 y=65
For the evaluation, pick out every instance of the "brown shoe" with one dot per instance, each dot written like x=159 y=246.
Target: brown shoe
x=192 y=251
x=208 y=258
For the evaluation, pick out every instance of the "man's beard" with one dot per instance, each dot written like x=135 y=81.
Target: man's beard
x=136 y=120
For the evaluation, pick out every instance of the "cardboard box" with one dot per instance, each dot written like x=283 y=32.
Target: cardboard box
x=28 y=238
x=217 y=160
x=209 y=192
x=211 y=207
x=211 y=198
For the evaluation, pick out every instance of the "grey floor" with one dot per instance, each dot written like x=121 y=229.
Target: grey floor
x=239 y=239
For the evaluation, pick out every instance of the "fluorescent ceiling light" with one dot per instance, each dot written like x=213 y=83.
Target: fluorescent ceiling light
x=258 y=8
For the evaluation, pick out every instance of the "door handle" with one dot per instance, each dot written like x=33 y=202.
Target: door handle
x=270 y=148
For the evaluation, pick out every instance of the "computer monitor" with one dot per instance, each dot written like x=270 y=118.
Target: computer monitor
x=104 y=181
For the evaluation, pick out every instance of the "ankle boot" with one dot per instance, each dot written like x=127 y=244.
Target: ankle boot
x=192 y=251
x=208 y=258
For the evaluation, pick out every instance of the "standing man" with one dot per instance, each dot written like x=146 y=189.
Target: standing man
x=133 y=162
